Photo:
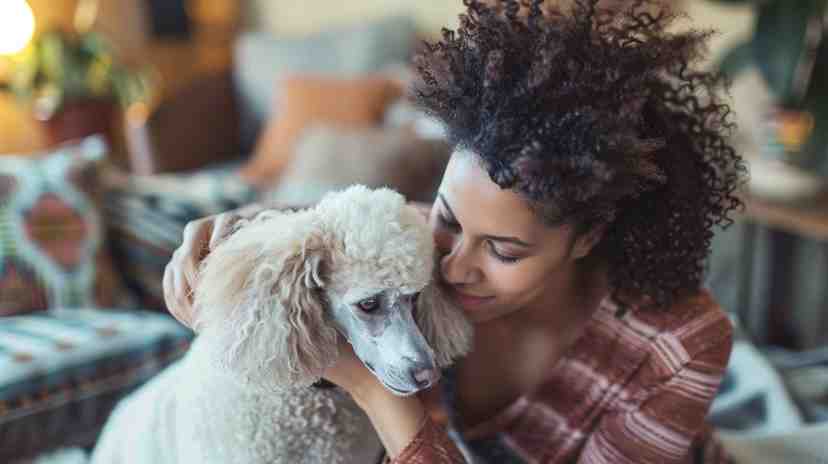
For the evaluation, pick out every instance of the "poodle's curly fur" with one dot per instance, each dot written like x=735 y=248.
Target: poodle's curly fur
x=597 y=116
x=291 y=260
x=266 y=300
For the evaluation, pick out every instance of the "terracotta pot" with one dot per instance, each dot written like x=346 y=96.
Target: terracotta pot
x=82 y=118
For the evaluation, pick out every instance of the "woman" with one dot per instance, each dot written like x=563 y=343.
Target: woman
x=573 y=220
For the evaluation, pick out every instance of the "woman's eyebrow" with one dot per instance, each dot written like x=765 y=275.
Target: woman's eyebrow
x=496 y=238
x=512 y=240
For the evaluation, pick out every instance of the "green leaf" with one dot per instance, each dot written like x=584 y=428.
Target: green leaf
x=53 y=59
x=60 y=66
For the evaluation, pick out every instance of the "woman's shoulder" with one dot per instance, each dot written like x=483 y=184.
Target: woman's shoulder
x=692 y=324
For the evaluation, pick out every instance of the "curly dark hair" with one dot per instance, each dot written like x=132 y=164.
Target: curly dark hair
x=596 y=116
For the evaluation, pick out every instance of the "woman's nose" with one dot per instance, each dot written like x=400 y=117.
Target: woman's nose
x=457 y=265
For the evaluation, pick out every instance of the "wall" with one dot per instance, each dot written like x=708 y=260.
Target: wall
x=733 y=23
x=293 y=18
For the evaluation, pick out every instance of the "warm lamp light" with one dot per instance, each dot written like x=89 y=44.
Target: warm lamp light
x=17 y=25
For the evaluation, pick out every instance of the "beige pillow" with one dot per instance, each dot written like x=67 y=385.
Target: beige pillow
x=312 y=100
x=329 y=158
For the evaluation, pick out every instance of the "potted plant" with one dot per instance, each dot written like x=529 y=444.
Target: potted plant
x=789 y=50
x=75 y=84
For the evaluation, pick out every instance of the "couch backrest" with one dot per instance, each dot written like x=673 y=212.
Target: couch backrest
x=291 y=18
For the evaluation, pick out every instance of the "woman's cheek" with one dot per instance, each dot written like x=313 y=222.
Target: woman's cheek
x=514 y=280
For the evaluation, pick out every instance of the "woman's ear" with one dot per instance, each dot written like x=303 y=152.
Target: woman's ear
x=260 y=302
x=586 y=241
x=443 y=325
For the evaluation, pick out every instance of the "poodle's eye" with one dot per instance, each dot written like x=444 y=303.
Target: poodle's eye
x=369 y=305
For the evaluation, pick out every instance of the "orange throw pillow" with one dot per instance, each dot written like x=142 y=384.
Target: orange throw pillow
x=304 y=101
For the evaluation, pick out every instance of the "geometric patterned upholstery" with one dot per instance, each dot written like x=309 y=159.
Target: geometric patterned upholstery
x=145 y=219
x=52 y=251
x=63 y=370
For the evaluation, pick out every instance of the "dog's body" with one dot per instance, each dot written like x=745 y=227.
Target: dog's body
x=194 y=413
x=273 y=301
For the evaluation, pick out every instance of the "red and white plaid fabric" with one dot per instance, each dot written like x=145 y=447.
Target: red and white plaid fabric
x=632 y=390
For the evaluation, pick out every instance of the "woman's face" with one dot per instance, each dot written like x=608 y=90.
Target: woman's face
x=496 y=257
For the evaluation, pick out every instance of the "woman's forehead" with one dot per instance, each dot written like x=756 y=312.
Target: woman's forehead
x=474 y=197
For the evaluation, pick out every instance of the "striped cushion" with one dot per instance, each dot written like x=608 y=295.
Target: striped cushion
x=146 y=216
x=63 y=370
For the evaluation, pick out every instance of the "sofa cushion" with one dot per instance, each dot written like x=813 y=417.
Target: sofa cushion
x=316 y=100
x=52 y=243
x=261 y=59
x=63 y=370
x=145 y=218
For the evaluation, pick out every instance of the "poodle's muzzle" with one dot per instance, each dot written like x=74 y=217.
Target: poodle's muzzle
x=390 y=343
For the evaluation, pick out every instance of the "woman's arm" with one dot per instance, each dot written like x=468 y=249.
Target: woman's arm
x=402 y=424
x=397 y=420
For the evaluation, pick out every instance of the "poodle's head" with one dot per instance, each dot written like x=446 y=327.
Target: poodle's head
x=277 y=294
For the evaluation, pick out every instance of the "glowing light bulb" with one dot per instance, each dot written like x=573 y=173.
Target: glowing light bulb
x=17 y=25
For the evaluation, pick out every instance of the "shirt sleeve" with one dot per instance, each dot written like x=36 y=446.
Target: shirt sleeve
x=664 y=427
x=432 y=445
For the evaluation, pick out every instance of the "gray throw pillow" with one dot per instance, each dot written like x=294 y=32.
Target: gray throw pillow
x=328 y=158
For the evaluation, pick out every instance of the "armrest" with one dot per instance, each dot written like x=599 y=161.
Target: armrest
x=197 y=126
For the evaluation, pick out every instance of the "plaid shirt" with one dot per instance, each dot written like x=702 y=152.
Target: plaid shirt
x=634 y=389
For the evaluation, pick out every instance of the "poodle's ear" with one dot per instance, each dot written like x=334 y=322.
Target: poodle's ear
x=260 y=303
x=443 y=325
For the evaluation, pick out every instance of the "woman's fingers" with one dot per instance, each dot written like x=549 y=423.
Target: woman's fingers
x=348 y=372
x=177 y=306
x=222 y=226
x=180 y=276
x=181 y=272
x=192 y=250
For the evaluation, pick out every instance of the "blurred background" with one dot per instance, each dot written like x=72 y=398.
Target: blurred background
x=121 y=120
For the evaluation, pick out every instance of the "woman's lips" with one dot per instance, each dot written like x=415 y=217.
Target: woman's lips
x=468 y=301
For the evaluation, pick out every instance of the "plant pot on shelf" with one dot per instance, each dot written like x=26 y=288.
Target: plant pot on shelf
x=780 y=171
x=77 y=119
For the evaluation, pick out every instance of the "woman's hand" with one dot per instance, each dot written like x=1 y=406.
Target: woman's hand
x=350 y=374
x=396 y=419
x=200 y=237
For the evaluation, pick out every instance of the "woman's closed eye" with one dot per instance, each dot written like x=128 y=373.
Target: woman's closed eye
x=448 y=222
x=501 y=256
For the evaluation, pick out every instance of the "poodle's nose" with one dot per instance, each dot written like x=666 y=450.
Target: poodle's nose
x=425 y=377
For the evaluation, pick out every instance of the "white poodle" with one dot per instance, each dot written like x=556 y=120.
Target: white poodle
x=272 y=300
